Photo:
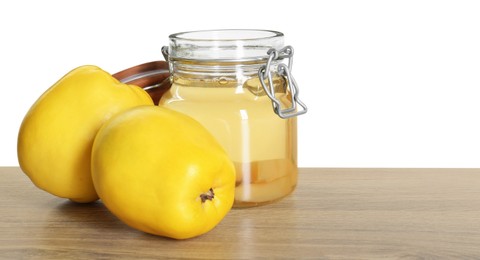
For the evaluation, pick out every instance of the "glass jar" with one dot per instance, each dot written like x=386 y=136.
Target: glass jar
x=217 y=79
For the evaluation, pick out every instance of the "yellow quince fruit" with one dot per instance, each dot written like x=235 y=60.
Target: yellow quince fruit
x=56 y=135
x=162 y=172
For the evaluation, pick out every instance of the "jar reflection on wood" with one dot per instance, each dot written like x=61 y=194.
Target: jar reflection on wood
x=215 y=79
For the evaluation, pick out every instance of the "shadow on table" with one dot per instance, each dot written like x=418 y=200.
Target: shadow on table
x=91 y=215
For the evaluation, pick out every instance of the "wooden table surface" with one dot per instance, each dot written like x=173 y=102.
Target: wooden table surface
x=333 y=214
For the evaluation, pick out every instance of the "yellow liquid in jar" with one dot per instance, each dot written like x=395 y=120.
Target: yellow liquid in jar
x=261 y=144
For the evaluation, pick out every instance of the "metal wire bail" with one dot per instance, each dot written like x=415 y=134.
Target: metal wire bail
x=285 y=71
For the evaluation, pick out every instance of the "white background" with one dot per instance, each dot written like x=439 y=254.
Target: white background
x=388 y=83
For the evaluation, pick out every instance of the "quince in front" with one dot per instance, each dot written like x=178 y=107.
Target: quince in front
x=162 y=172
x=56 y=135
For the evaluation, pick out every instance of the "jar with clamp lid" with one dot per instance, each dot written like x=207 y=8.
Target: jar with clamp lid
x=238 y=84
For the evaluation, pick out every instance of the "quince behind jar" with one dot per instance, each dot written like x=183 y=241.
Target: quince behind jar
x=56 y=135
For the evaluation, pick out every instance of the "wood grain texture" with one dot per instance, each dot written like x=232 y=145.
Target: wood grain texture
x=333 y=214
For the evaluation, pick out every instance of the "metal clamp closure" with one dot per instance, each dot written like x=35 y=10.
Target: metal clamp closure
x=285 y=71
